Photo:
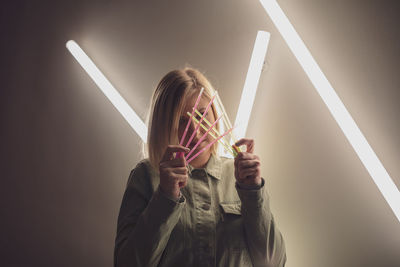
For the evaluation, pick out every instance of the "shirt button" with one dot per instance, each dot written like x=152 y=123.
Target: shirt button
x=205 y=206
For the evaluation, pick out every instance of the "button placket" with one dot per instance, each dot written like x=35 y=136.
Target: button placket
x=205 y=221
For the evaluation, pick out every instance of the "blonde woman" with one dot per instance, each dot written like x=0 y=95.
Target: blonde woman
x=213 y=211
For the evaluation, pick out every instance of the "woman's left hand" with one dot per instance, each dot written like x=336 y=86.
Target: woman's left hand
x=247 y=165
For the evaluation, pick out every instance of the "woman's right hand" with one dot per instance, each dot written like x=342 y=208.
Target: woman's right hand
x=173 y=172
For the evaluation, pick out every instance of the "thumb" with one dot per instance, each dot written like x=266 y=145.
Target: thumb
x=248 y=142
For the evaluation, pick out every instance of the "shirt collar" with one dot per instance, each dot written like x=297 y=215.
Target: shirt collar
x=213 y=167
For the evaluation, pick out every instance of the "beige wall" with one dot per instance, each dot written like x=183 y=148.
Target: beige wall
x=66 y=152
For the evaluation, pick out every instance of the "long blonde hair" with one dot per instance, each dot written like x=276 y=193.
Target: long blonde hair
x=168 y=102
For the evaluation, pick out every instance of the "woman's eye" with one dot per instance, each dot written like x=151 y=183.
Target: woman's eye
x=200 y=115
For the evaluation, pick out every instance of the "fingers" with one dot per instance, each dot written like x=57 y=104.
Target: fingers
x=244 y=164
x=249 y=172
x=247 y=167
x=171 y=183
x=178 y=162
x=169 y=152
x=178 y=181
x=180 y=170
x=248 y=142
x=174 y=173
x=180 y=178
x=244 y=156
x=183 y=182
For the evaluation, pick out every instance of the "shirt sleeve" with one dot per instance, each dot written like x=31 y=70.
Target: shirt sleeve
x=248 y=186
x=265 y=242
x=145 y=222
x=180 y=197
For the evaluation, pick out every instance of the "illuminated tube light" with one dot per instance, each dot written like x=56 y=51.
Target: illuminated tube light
x=251 y=83
x=353 y=134
x=108 y=89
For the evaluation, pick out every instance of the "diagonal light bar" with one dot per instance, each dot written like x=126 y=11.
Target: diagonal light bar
x=245 y=105
x=251 y=83
x=335 y=106
x=108 y=89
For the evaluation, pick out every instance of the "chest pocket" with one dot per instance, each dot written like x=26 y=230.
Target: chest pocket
x=231 y=229
x=231 y=208
x=231 y=214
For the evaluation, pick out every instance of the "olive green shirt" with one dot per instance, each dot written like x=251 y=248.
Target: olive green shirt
x=216 y=222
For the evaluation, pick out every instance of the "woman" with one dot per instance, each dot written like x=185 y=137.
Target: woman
x=213 y=211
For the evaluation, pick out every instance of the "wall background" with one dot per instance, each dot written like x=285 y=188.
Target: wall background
x=66 y=153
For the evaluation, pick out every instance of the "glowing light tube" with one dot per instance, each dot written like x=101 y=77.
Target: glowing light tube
x=251 y=84
x=350 y=129
x=108 y=89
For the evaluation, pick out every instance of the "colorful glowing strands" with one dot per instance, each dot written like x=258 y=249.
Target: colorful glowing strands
x=212 y=135
x=226 y=120
x=207 y=122
x=202 y=138
x=188 y=123
x=215 y=130
x=201 y=119
x=236 y=150
x=180 y=154
x=208 y=146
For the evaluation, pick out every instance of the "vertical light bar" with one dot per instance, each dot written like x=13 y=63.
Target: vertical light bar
x=108 y=89
x=353 y=134
x=251 y=83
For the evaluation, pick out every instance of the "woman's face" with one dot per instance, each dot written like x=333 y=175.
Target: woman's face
x=201 y=107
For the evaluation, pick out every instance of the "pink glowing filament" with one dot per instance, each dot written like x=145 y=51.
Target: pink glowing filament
x=180 y=154
x=201 y=119
x=188 y=123
x=210 y=144
x=202 y=138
